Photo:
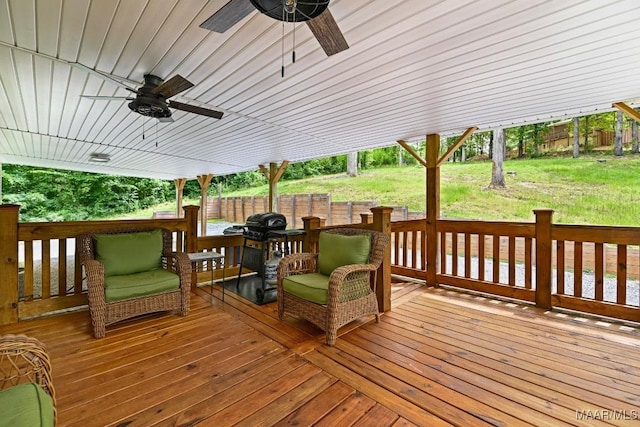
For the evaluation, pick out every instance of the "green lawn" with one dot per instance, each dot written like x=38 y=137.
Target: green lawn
x=598 y=189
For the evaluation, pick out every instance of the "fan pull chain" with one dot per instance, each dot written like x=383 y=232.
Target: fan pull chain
x=282 y=55
x=156 y=133
x=293 y=54
x=143 y=128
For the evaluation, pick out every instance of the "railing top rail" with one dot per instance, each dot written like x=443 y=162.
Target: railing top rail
x=501 y=228
x=596 y=233
x=28 y=231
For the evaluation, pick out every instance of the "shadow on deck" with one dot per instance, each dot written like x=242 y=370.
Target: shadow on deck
x=438 y=357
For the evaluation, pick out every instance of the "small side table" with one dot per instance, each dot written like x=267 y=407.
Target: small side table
x=211 y=257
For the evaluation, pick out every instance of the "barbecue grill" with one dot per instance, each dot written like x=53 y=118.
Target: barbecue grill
x=259 y=225
x=261 y=231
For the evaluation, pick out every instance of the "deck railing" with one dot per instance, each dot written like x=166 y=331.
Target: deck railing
x=593 y=269
x=39 y=273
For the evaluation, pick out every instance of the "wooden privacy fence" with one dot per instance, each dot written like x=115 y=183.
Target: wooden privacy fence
x=593 y=269
x=297 y=206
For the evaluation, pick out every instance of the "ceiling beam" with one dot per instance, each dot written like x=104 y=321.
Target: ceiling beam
x=628 y=110
x=467 y=133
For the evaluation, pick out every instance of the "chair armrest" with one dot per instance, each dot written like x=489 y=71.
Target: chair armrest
x=300 y=263
x=350 y=282
x=94 y=270
x=181 y=265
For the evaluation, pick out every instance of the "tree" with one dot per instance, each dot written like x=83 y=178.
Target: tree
x=497 y=173
x=576 y=137
x=617 y=142
x=634 y=136
x=352 y=164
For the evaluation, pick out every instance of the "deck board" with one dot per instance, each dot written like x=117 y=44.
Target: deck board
x=438 y=358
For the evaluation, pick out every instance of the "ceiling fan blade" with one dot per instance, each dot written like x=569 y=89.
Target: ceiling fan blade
x=102 y=76
x=195 y=109
x=107 y=98
x=173 y=86
x=228 y=16
x=328 y=34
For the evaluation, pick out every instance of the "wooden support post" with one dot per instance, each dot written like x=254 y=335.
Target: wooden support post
x=382 y=223
x=204 y=181
x=179 y=183
x=433 y=206
x=311 y=225
x=273 y=175
x=191 y=243
x=9 y=215
x=543 y=257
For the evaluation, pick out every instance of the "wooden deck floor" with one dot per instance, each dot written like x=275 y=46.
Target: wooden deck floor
x=438 y=358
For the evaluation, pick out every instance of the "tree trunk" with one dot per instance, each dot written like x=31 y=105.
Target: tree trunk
x=634 y=137
x=536 y=150
x=400 y=159
x=576 y=137
x=352 y=164
x=586 y=134
x=491 y=146
x=497 y=173
x=463 y=155
x=521 y=142
x=617 y=144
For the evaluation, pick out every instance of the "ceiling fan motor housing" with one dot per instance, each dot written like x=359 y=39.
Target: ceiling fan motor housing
x=147 y=103
x=291 y=10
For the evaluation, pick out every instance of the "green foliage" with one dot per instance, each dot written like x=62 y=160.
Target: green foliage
x=56 y=195
x=316 y=167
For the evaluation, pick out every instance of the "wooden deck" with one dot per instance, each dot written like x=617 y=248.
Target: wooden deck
x=438 y=358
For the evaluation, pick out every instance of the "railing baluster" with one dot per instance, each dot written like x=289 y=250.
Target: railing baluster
x=621 y=283
x=28 y=271
x=481 y=243
x=45 y=270
x=599 y=272
x=577 y=269
x=443 y=252
x=496 y=259
x=454 y=254
x=512 y=261
x=467 y=255
x=62 y=266
x=413 y=249
x=560 y=266
x=528 y=267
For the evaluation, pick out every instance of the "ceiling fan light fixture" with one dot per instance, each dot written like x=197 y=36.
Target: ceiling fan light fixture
x=99 y=157
x=291 y=10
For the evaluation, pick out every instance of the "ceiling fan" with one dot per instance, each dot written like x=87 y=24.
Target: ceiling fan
x=314 y=12
x=152 y=98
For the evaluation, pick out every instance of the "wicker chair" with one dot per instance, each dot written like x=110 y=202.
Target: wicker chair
x=105 y=313
x=351 y=288
x=24 y=360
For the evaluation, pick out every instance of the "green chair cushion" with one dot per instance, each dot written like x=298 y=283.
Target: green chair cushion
x=139 y=284
x=26 y=405
x=337 y=250
x=312 y=287
x=128 y=253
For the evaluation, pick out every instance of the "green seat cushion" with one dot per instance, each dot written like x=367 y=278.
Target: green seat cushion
x=128 y=253
x=312 y=287
x=140 y=284
x=337 y=250
x=25 y=405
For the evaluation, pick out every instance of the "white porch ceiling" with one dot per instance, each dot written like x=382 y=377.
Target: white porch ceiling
x=414 y=67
